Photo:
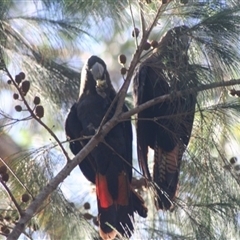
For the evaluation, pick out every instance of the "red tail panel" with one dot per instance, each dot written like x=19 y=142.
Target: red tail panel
x=106 y=209
x=116 y=215
x=103 y=195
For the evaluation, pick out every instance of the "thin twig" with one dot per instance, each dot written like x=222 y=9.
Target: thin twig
x=12 y=197
x=154 y=23
x=34 y=116
x=16 y=177
x=142 y=19
x=123 y=90
x=134 y=25
x=53 y=183
x=14 y=120
x=134 y=63
x=124 y=160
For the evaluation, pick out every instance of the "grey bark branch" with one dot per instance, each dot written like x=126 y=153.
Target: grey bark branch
x=163 y=98
x=53 y=183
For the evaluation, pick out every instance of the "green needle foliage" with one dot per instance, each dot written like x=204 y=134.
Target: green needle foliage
x=41 y=44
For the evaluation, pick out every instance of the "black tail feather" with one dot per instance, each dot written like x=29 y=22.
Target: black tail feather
x=138 y=204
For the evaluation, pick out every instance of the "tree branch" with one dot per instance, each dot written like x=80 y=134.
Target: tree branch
x=134 y=25
x=53 y=183
x=176 y=94
x=134 y=62
x=12 y=197
x=34 y=116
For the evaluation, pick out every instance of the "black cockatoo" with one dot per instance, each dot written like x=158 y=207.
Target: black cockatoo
x=109 y=165
x=165 y=127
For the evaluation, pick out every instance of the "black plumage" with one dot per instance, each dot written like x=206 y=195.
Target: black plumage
x=165 y=127
x=109 y=165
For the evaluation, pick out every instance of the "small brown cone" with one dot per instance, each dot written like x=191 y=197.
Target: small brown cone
x=15 y=96
x=154 y=44
x=146 y=46
x=3 y=169
x=135 y=31
x=123 y=71
x=95 y=221
x=39 y=111
x=18 y=108
x=18 y=79
x=5 y=177
x=88 y=216
x=25 y=197
x=36 y=100
x=122 y=59
x=22 y=75
x=25 y=87
x=87 y=205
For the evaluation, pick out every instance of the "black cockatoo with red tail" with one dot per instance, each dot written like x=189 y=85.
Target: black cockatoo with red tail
x=165 y=127
x=109 y=165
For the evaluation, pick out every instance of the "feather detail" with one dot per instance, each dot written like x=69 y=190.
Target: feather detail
x=115 y=215
x=105 y=198
x=166 y=175
x=106 y=209
x=123 y=190
x=165 y=127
